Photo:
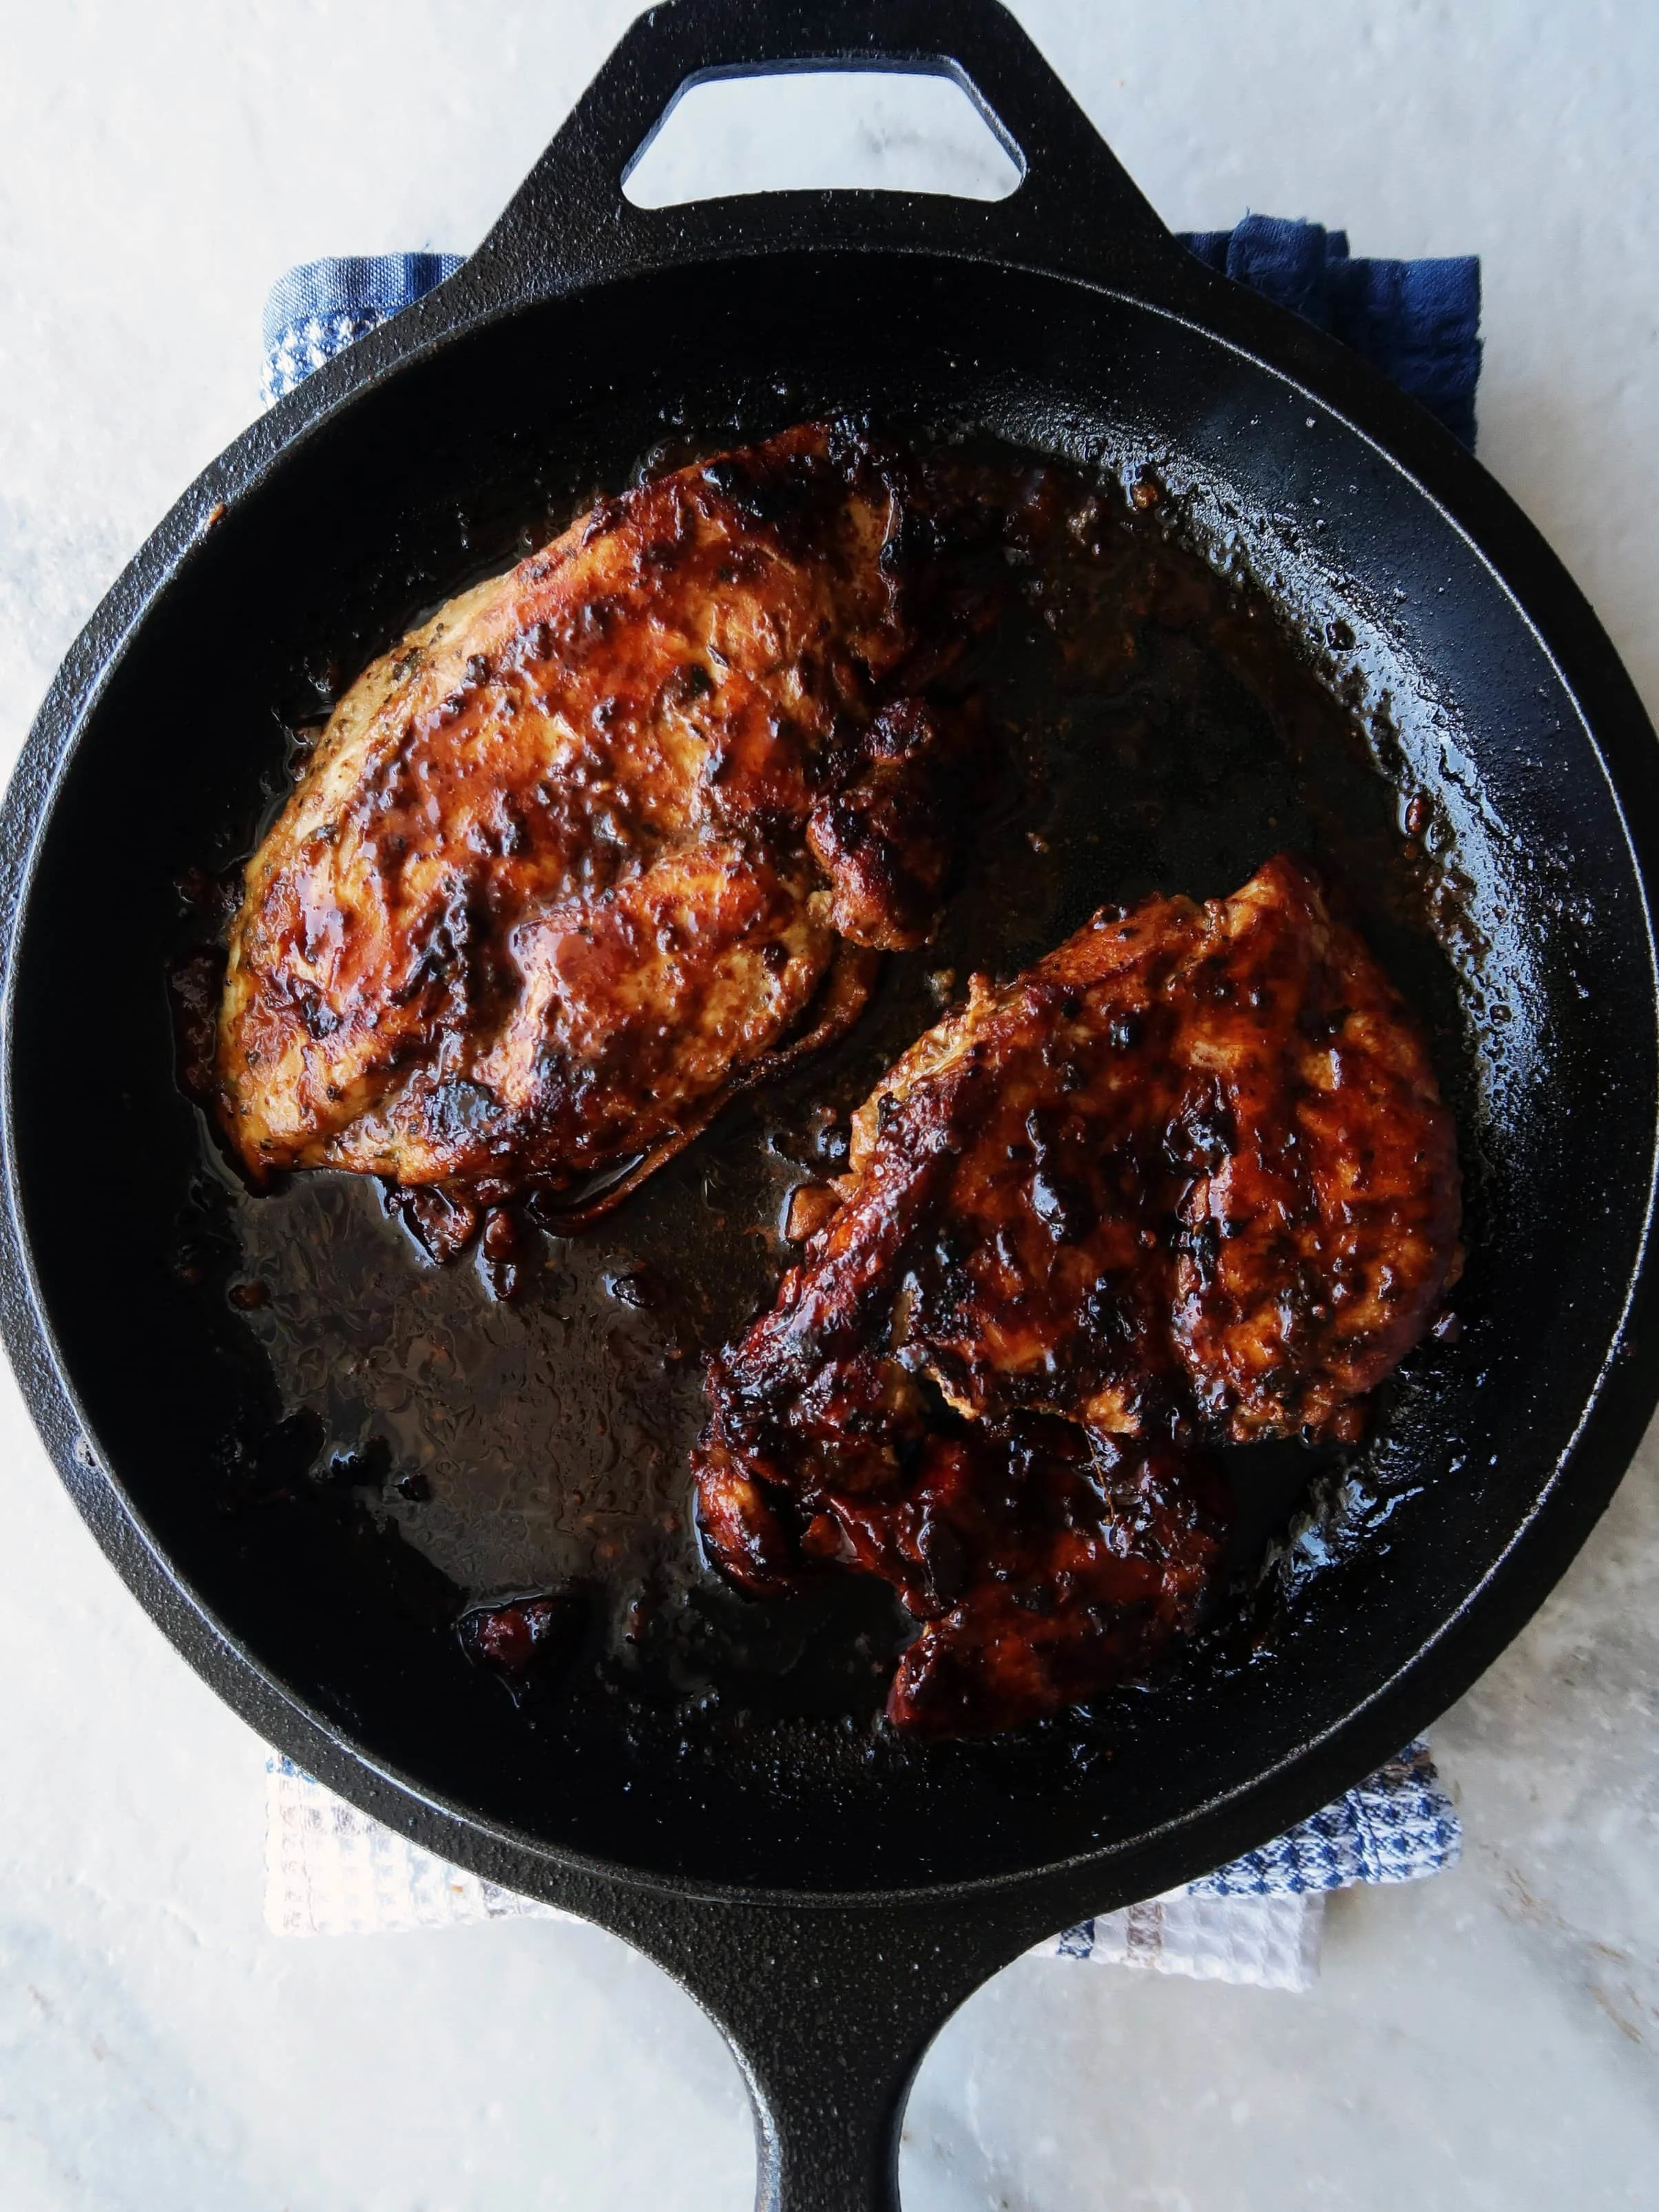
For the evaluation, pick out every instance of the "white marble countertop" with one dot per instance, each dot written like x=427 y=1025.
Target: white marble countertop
x=1483 y=2040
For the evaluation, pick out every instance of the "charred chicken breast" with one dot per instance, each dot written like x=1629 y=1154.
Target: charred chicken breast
x=602 y=841
x=1188 y=1178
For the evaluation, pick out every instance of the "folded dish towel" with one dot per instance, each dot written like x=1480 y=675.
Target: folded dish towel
x=1417 y=321
x=331 y=1870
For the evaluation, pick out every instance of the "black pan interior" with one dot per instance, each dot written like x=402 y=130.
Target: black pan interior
x=748 y=1756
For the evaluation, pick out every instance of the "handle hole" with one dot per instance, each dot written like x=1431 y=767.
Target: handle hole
x=821 y=130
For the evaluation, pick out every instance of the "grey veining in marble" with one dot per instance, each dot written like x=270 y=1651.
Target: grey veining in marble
x=1485 y=2040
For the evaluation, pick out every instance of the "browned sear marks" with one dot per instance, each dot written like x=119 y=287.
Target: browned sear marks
x=603 y=842
x=1187 y=1179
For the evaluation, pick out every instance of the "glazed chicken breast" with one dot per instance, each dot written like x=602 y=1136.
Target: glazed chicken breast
x=1187 y=1179
x=607 y=838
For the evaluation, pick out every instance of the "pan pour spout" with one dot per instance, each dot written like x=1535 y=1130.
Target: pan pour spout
x=1188 y=1178
x=608 y=840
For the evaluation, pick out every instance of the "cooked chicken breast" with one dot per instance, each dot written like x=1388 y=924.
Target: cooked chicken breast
x=602 y=840
x=1188 y=1178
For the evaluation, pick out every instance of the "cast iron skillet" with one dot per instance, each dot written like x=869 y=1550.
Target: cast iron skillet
x=830 y=1928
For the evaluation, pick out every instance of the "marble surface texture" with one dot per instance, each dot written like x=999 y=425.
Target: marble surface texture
x=1485 y=2040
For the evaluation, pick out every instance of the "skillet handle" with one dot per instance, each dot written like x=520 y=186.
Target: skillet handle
x=830 y=2010
x=1075 y=211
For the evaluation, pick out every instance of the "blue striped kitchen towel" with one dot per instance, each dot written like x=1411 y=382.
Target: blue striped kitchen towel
x=1417 y=321
x=332 y=1870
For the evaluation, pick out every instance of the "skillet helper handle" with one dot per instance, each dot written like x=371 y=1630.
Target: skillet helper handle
x=1075 y=209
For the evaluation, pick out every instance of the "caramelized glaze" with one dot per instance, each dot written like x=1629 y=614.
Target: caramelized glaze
x=1188 y=1176
x=599 y=842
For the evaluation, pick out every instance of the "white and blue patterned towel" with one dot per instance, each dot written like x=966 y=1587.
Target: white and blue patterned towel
x=318 y=308
x=332 y=1870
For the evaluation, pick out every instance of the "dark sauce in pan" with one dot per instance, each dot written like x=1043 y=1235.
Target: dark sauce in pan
x=525 y=1460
